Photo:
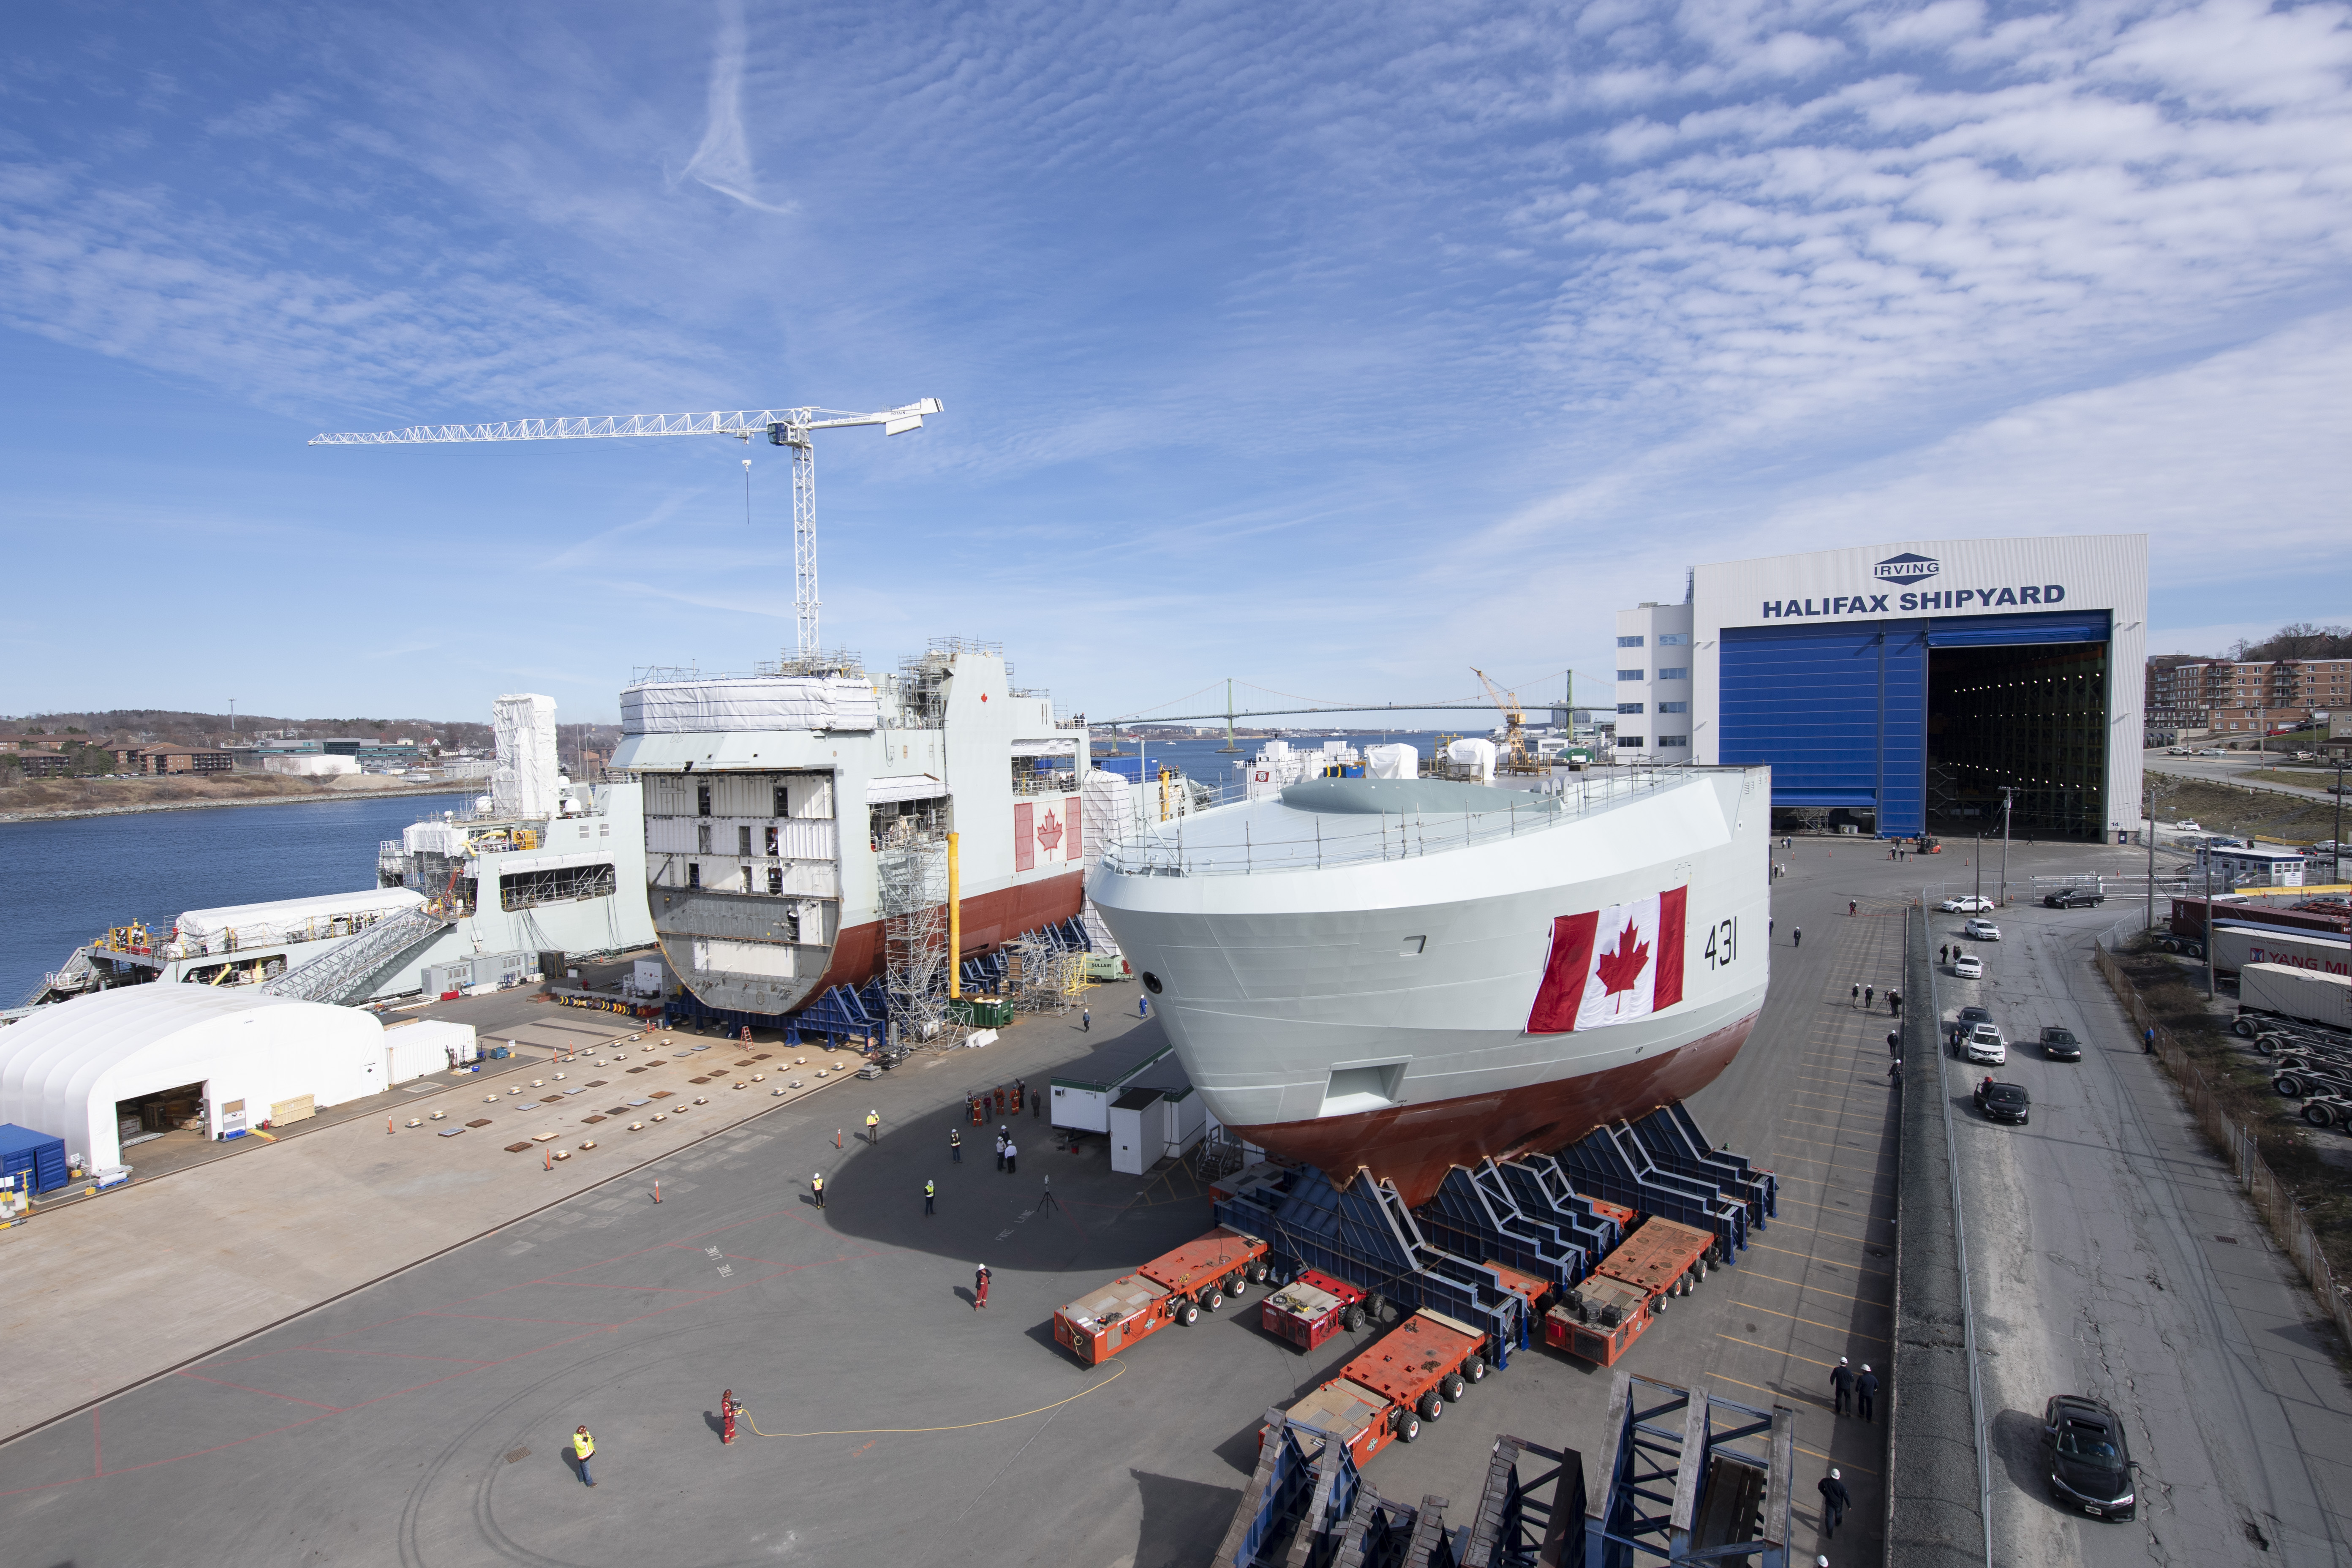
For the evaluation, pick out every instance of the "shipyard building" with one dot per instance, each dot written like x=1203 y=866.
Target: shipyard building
x=1901 y=686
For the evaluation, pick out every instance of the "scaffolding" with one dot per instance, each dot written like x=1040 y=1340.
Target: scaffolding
x=912 y=872
x=1043 y=974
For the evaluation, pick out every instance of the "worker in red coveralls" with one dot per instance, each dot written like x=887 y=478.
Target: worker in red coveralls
x=980 y=1288
x=727 y=1409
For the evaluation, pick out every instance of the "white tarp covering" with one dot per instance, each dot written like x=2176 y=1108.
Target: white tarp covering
x=1066 y=746
x=755 y=702
x=293 y=919
x=919 y=787
x=309 y=766
x=1392 y=761
x=525 y=782
x=63 y=1069
x=433 y=837
x=1474 y=752
x=1106 y=813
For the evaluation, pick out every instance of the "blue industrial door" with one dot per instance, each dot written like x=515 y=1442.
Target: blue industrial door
x=1839 y=709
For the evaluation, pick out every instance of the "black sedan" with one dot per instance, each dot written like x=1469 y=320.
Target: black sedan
x=2059 y=1044
x=1969 y=1019
x=2090 y=1466
x=2004 y=1101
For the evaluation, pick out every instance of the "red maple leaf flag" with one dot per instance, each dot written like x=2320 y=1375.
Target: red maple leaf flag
x=1608 y=966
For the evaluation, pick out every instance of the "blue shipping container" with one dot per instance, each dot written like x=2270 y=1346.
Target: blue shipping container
x=21 y=1148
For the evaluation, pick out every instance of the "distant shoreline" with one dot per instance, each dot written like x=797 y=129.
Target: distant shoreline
x=67 y=813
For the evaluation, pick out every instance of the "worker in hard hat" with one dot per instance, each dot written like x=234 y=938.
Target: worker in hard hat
x=873 y=1127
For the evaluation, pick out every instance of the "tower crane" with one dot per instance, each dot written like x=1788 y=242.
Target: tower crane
x=791 y=427
x=1515 y=726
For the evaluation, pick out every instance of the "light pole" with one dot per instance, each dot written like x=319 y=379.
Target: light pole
x=1980 y=894
x=2206 y=855
x=2004 y=846
x=2147 y=805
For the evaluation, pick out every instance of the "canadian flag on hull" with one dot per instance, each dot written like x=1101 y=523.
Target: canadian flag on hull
x=1611 y=965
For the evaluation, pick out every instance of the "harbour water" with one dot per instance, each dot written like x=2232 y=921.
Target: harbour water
x=64 y=882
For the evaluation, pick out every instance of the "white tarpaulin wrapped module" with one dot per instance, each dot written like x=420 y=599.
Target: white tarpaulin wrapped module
x=1475 y=752
x=305 y=765
x=1392 y=761
x=525 y=782
x=434 y=838
x=293 y=919
x=736 y=702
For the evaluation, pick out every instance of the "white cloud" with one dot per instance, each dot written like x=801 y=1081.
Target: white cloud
x=723 y=161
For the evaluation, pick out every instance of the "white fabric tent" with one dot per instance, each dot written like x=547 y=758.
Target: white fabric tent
x=290 y=919
x=735 y=702
x=1476 y=752
x=63 y=1069
x=1393 y=761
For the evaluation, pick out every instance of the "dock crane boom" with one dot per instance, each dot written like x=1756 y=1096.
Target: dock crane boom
x=790 y=428
x=1514 y=723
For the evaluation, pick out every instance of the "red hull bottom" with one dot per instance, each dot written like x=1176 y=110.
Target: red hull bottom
x=1414 y=1145
x=988 y=919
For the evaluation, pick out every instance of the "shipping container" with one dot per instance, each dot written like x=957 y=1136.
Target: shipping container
x=36 y=1157
x=2235 y=946
x=424 y=1046
x=2282 y=991
x=1084 y=1090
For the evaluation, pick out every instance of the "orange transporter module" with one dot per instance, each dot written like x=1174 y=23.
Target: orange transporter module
x=1174 y=1289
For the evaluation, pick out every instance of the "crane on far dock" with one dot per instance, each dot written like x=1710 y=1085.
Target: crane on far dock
x=790 y=428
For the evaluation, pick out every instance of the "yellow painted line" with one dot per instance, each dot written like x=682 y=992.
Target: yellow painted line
x=1768 y=1350
x=1849 y=1333
x=1856 y=1267
x=1841 y=1464
x=1822 y=1290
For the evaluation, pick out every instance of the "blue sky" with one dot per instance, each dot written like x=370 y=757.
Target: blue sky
x=1334 y=348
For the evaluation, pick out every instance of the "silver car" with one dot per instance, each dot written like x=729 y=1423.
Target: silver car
x=1984 y=1044
x=1982 y=930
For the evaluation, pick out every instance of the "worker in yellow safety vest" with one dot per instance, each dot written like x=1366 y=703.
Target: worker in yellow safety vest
x=817 y=1186
x=874 y=1127
x=584 y=1447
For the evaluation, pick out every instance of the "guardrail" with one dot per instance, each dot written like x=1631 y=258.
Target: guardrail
x=2235 y=1142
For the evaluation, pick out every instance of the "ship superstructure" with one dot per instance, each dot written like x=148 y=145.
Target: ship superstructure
x=1408 y=975
x=781 y=808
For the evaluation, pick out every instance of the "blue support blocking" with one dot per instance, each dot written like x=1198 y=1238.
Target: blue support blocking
x=1544 y=1192
x=1362 y=1233
x=840 y=1011
x=1476 y=1214
x=1674 y=1141
x=1612 y=1163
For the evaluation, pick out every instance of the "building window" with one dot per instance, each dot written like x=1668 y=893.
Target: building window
x=1629 y=707
x=694 y=873
x=702 y=837
x=742 y=840
x=783 y=803
x=1673 y=707
x=747 y=878
x=1666 y=741
x=1629 y=675
x=1629 y=642
x=775 y=879
x=1674 y=639
x=1680 y=673
x=1629 y=743
x=702 y=800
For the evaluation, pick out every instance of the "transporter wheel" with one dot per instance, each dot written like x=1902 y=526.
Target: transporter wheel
x=2243 y=1026
x=1257 y=1271
x=1451 y=1387
x=2266 y=1044
x=1236 y=1283
x=1352 y=1317
x=1216 y=1298
x=1476 y=1369
x=1376 y=1306
x=1431 y=1407
x=1188 y=1314
x=2319 y=1115
x=2288 y=1084
x=1409 y=1427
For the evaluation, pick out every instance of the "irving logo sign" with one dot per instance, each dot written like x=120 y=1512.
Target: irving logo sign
x=1905 y=569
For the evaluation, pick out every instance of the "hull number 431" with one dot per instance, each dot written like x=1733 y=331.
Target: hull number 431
x=1722 y=943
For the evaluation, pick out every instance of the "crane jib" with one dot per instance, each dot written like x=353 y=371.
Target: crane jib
x=786 y=428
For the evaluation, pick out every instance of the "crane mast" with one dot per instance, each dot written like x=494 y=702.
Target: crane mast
x=1515 y=722
x=788 y=428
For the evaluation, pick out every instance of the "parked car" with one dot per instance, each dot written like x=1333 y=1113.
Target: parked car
x=2188 y=824
x=2075 y=898
x=1984 y=1044
x=1966 y=904
x=2003 y=1101
x=2090 y=1464
x=1969 y=966
x=2059 y=1044
x=1982 y=930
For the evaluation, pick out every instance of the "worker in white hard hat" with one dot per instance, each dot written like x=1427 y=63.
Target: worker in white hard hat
x=1835 y=1501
